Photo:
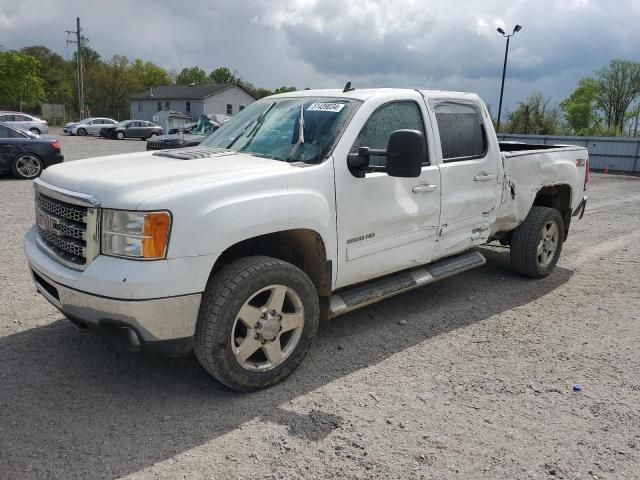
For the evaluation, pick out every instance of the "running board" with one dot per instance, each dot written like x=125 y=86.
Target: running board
x=377 y=290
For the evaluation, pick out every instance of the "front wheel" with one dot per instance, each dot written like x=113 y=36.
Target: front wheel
x=258 y=319
x=82 y=132
x=120 y=135
x=536 y=244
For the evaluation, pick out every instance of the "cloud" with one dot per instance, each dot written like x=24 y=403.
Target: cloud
x=324 y=43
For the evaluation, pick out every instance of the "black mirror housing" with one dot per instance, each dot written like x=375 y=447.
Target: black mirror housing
x=406 y=151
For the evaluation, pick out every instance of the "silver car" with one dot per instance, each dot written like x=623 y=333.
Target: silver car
x=25 y=122
x=89 y=126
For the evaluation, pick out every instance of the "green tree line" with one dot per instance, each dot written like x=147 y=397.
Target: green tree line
x=605 y=104
x=35 y=74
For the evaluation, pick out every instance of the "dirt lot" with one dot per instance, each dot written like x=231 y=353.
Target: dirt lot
x=478 y=383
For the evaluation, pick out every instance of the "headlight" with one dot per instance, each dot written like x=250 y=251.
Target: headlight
x=141 y=235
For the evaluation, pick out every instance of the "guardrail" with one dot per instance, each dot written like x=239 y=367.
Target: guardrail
x=606 y=154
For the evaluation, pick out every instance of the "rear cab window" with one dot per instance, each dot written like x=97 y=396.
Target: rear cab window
x=461 y=130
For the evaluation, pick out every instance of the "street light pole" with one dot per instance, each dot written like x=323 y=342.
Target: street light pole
x=516 y=29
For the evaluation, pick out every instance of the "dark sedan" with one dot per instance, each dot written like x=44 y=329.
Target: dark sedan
x=132 y=129
x=26 y=155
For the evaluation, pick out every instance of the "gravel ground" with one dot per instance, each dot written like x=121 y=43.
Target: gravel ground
x=468 y=378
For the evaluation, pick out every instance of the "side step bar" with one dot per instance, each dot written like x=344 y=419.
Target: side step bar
x=377 y=290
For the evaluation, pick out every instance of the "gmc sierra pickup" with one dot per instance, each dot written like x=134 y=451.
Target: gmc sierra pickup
x=304 y=206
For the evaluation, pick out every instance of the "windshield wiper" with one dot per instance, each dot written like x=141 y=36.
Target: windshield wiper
x=300 y=141
x=257 y=121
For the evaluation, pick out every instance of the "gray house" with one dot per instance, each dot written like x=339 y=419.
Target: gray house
x=192 y=100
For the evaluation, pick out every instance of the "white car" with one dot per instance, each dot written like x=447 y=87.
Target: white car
x=24 y=122
x=304 y=206
x=89 y=126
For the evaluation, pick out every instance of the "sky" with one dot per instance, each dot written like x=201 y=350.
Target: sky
x=432 y=44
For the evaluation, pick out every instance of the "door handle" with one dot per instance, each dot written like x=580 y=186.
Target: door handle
x=483 y=177
x=424 y=188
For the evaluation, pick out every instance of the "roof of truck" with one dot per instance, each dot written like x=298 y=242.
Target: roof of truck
x=366 y=93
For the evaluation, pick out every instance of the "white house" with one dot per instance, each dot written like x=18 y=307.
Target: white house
x=192 y=100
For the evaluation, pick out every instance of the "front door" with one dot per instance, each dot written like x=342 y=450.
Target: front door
x=385 y=224
x=469 y=173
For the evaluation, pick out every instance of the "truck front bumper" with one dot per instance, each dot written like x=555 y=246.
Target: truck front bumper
x=161 y=321
x=154 y=322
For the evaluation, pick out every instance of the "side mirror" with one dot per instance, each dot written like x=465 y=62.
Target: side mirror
x=406 y=151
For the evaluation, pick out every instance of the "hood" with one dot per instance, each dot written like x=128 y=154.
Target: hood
x=71 y=124
x=125 y=181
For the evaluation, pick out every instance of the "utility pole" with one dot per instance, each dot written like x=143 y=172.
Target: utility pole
x=80 y=73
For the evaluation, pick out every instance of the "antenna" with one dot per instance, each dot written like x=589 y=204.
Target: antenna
x=348 y=88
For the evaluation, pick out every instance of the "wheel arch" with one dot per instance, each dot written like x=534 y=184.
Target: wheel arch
x=301 y=247
x=558 y=197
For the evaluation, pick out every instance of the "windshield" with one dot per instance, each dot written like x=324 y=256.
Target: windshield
x=271 y=128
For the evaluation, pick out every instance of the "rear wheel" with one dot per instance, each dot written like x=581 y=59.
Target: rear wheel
x=257 y=321
x=27 y=166
x=536 y=244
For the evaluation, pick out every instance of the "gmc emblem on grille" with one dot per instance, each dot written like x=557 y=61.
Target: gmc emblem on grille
x=48 y=223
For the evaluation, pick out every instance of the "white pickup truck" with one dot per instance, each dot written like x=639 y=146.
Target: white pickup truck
x=303 y=207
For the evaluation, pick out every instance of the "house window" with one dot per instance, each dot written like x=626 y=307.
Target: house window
x=229 y=109
x=159 y=106
x=188 y=106
x=139 y=107
x=240 y=108
x=167 y=105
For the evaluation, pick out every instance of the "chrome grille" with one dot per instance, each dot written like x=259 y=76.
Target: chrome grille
x=61 y=209
x=66 y=231
x=73 y=250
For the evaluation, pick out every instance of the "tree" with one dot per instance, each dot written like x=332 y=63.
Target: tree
x=536 y=116
x=581 y=109
x=284 y=90
x=58 y=74
x=192 y=75
x=618 y=87
x=19 y=80
x=147 y=75
x=223 y=75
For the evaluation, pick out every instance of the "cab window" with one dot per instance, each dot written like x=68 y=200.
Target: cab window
x=462 y=134
x=383 y=122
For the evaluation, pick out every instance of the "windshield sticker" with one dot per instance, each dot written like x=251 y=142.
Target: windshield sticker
x=325 y=107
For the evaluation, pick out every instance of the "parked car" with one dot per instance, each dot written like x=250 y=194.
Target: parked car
x=25 y=122
x=132 y=129
x=88 y=126
x=26 y=154
x=206 y=125
x=303 y=207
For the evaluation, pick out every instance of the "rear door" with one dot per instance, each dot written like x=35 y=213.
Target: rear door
x=469 y=173
x=385 y=224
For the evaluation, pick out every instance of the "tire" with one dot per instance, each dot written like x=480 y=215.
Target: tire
x=537 y=242
x=153 y=134
x=27 y=166
x=34 y=130
x=81 y=132
x=251 y=284
x=120 y=135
